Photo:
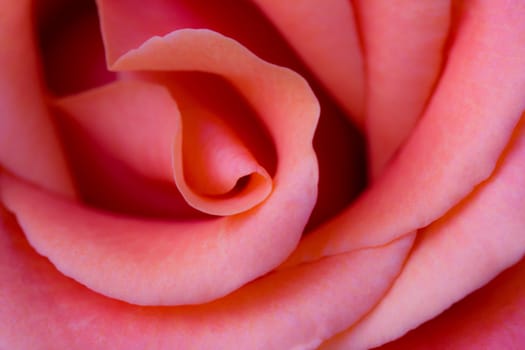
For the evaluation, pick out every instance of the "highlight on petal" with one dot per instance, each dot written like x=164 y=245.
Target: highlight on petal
x=462 y=251
x=325 y=35
x=290 y=309
x=404 y=44
x=468 y=123
x=28 y=143
x=180 y=262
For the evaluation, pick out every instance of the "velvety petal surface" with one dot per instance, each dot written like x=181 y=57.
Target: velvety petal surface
x=139 y=123
x=297 y=308
x=464 y=250
x=468 y=123
x=326 y=37
x=248 y=244
x=490 y=318
x=404 y=44
x=28 y=143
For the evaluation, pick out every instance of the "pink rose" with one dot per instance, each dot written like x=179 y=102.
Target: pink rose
x=205 y=192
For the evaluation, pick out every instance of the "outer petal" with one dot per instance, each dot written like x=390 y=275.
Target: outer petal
x=490 y=318
x=325 y=36
x=28 y=143
x=468 y=123
x=294 y=309
x=404 y=43
x=219 y=255
x=462 y=251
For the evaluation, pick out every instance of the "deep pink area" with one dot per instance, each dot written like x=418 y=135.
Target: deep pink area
x=71 y=47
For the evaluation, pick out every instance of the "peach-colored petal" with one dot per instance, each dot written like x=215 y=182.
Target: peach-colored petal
x=292 y=309
x=28 y=143
x=240 y=20
x=282 y=99
x=199 y=254
x=404 y=42
x=490 y=318
x=456 y=145
x=244 y=22
x=140 y=124
x=325 y=36
x=462 y=251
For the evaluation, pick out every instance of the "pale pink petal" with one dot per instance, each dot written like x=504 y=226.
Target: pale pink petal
x=454 y=256
x=297 y=308
x=28 y=143
x=456 y=145
x=324 y=34
x=404 y=44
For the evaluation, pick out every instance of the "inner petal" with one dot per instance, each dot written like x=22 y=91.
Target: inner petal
x=214 y=159
x=138 y=123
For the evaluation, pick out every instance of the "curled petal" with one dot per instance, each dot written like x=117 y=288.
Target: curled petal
x=140 y=124
x=188 y=262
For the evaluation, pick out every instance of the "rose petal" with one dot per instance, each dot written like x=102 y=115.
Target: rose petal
x=462 y=251
x=404 y=42
x=456 y=145
x=244 y=22
x=325 y=36
x=70 y=44
x=254 y=241
x=297 y=308
x=240 y=20
x=490 y=318
x=140 y=124
x=28 y=143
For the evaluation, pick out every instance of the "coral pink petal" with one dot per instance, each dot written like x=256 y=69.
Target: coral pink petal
x=240 y=20
x=490 y=318
x=139 y=124
x=404 y=43
x=28 y=143
x=290 y=121
x=462 y=251
x=189 y=262
x=325 y=36
x=297 y=308
x=468 y=123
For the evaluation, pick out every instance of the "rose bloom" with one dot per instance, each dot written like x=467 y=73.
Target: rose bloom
x=181 y=174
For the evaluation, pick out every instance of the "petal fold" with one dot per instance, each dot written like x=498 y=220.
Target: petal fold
x=468 y=123
x=28 y=143
x=290 y=309
x=325 y=36
x=404 y=44
x=189 y=262
x=463 y=251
